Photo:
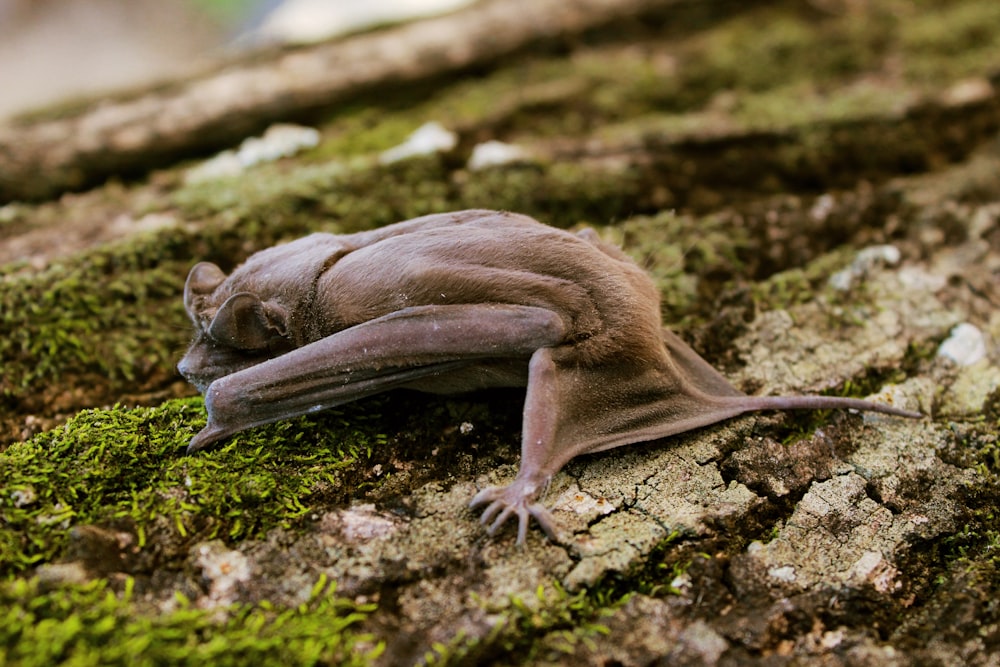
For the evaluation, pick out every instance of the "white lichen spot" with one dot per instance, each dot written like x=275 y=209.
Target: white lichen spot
x=23 y=497
x=784 y=573
x=866 y=261
x=279 y=141
x=965 y=346
x=916 y=278
x=822 y=208
x=699 y=639
x=225 y=571
x=578 y=501
x=360 y=524
x=429 y=138
x=494 y=154
x=872 y=568
x=681 y=583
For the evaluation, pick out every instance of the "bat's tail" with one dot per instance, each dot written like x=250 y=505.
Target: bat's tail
x=755 y=403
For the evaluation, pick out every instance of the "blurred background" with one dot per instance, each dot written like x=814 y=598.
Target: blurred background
x=53 y=50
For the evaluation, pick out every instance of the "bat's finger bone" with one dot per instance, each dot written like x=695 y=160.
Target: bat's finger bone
x=501 y=520
x=545 y=520
x=522 y=525
x=488 y=494
x=494 y=508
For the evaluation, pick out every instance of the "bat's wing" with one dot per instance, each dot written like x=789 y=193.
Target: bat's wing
x=698 y=372
x=373 y=357
x=573 y=408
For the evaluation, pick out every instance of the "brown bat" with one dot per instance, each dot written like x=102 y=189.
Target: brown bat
x=451 y=303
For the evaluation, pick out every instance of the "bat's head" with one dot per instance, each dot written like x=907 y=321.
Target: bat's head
x=233 y=329
x=247 y=317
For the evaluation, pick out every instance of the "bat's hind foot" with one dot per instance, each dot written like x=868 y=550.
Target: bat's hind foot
x=514 y=499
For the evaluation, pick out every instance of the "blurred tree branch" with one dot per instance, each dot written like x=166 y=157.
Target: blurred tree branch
x=45 y=154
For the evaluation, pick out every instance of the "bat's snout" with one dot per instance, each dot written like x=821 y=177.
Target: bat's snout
x=189 y=372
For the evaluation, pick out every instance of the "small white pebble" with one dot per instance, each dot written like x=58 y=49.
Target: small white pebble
x=832 y=639
x=427 y=139
x=822 y=208
x=888 y=254
x=279 y=141
x=866 y=260
x=494 y=154
x=965 y=346
x=226 y=163
x=681 y=582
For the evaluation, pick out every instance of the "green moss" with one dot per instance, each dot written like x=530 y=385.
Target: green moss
x=91 y=625
x=772 y=46
x=547 y=628
x=335 y=197
x=947 y=41
x=126 y=467
x=101 y=314
x=799 y=285
x=561 y=194
x=772 y=109
x=688 y=257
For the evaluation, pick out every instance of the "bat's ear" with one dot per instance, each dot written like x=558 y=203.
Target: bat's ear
x=247 y=323
x=201 y=281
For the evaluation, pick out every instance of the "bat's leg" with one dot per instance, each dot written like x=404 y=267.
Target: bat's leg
x=373 y=357
x=540 y=457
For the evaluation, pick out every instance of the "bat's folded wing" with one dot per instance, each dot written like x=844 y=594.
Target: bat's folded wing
x=372 y=357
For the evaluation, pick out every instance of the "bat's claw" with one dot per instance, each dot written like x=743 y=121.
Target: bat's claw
x=209 y=435
x=514 y=499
